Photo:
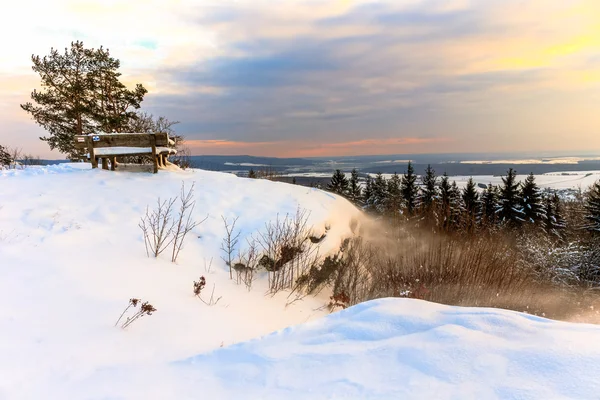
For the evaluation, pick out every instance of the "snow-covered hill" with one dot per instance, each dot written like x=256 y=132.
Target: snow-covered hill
x=72 y=255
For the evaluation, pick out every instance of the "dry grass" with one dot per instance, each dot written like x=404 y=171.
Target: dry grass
x=483 y=271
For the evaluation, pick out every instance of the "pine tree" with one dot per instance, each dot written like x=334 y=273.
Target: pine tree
x=429 y=193
x=5 y=157
x=393 y=204
x=338 y=183
x=252 y=173
x=409 y=189
x=554 y=222
x=80 y=95
x=444 y=204
x=456 y=207
x=114 y=104
x=354 y=189
x=560 y=224
x=470 y=198
x=592 y=207
x=531 y=200
x=489 y=205
x=509 y=209
x=380 y=194
x=367 y=194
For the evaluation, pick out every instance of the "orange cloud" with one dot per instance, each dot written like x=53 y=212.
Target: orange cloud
x=296 y=148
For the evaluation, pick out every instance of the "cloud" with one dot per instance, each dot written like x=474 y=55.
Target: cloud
x=295 y=148
x=253 y=75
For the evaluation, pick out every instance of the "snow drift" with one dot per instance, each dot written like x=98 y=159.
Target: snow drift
x=72 y=255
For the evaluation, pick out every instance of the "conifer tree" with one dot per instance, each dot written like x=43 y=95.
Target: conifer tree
x=354 y=189
x=394 y=196
x=252 y=174
x=409 y=189
x=367 y=194
x=80 y=94
x=509 y=208
x=114 y=104
x=489 y=205
x=5 y=157
x=531 y=200
x=470 y=198
x=380 y=194
x=429 y=193
x=554 y=222
x=560 y=224
x=444 y=203
x=456 y=207
x=592 y=207
x=338 y=183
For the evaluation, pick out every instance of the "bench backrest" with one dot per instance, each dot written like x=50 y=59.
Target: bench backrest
x=122 y=140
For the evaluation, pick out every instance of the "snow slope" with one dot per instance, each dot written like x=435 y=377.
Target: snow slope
x=71 y=255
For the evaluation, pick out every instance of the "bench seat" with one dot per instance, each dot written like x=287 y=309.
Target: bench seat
x=130 y=151
x=109 y=146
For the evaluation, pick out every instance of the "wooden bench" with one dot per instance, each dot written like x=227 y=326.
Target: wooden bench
x=109 y=146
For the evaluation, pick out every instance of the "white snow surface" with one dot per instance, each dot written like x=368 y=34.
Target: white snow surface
x=71 y=255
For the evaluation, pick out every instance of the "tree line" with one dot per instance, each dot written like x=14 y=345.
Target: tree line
x=433 y=202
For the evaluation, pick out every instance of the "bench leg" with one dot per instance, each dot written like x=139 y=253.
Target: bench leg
x=105 y=163
x=113 y=163
x=154 y=159
x=90 y=147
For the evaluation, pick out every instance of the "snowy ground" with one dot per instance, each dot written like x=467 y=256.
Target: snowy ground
x=71 y=255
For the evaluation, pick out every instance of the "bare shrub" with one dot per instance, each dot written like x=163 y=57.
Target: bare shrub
x=287 y=251
x=161 y=229
x=183 y=158
x=348 y=273
x=229 y=243
x=571 y=264
x=479 y=271
x=484 y=271
x=436 y=268
x=158 y=227
x=199 y=286
x=15 y=155
x=145 y=309
x=338 y=300
x=269 y=173
x=208 y=267
x=28 y=160
x=184 y=223
x=247 y=264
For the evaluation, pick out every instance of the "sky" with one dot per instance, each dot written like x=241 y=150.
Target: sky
x=318 y=78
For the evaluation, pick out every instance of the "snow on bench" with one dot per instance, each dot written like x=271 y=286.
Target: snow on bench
x=108 y=146
x=128 y=151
